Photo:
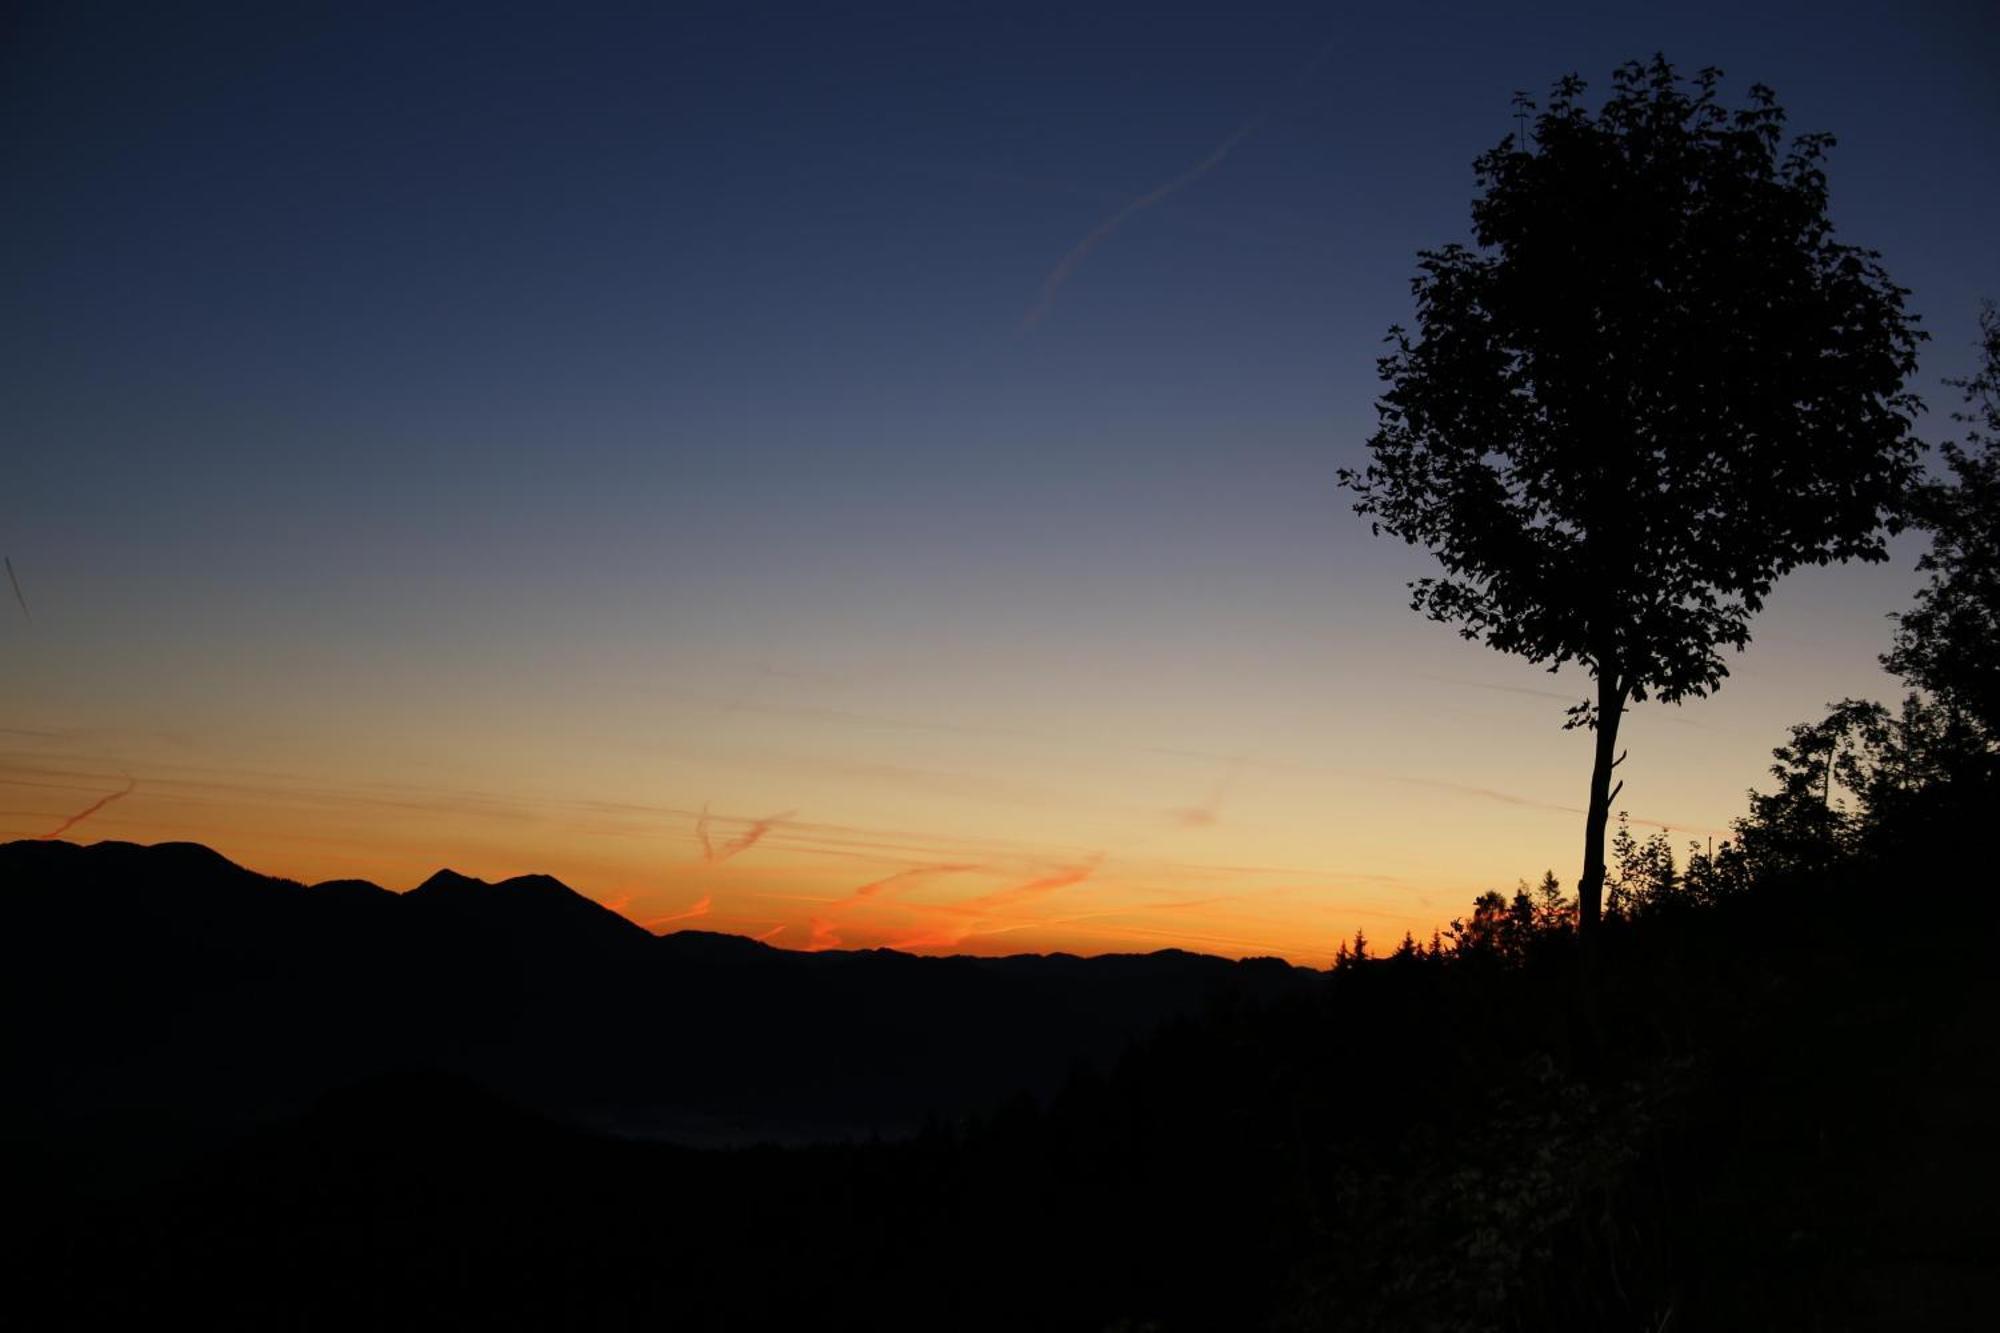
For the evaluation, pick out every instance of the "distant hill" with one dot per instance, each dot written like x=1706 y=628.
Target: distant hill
x=1776 y=1112
x=164 y=989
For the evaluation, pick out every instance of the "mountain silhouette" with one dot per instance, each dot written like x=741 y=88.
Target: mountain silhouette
x=257 y=1104
x=526 y=903
x=166 y=990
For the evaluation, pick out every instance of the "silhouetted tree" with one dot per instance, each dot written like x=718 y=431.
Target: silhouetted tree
x=1860 y=774
x=1642 y=875
x=1864 y=778
x=1483 y=934
x=1653 y=385
x=1949 y=645
x=1714 y=873
x=1522 y=922
x=1806 y=824
x=1553 y=912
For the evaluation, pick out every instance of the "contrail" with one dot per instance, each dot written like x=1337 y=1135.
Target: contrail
x=1209 y=811
x=17 y=588
x=1568 y=698
x=1103 y=231
x=699 y=909
x=978 y=912
x=870 y=890
x=1546 y=694
x=825 y=934
x=747 y=839
x=742 y=842
x=88 y=811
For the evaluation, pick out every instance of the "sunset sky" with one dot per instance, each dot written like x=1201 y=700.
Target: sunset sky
x=845 y=477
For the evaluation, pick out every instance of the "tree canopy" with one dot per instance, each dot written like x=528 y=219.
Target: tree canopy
x=1949 y=643
x=1654 y=384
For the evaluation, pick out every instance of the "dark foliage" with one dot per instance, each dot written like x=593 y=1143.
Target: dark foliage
x=1787 y=1126
x=1949 y=644
x=1655 y=384
x=166 y=990
x=1866 y=781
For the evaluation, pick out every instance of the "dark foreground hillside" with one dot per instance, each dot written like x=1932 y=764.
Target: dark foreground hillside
x=1782 y=1119
x=167 y=998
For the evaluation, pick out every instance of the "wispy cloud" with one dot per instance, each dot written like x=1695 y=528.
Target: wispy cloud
x=1117 y=913
x=1209 y=812
x=1188 y=817
x=700 y=908
x=88 y=811
x=1579 y=696
x=753 y=832
x=1529 y=690
x=17 y=589
x=879 y=887
x=1001 y=899
x=825 y=933
x=1103 y=231
x=976 y=913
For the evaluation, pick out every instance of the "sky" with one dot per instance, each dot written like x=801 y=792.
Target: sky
x=851 y=477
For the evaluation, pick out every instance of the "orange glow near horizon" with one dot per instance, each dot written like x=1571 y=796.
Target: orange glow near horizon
x=1011 y=803
x=786 y=879
x=791 y=882
x=865 y=511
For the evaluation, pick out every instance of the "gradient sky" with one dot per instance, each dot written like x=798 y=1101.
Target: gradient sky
x=492 y=437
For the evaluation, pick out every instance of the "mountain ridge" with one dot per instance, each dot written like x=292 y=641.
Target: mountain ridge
x=227 y=998
x=446 y=883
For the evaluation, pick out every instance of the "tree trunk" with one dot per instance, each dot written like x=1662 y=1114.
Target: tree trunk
x=1590 y=887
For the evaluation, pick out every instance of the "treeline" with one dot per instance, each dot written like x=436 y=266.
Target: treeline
x=1871 y=785
x=1775 y=1114
x=1765 y=1104
x=1870 y=789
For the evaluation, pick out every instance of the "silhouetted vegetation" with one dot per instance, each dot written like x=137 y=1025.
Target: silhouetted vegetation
x=1786 y=1124
x=1945 y=645
x=171 y=985
x=1867 y=786
x=1779 y=1117
x=1655 y=384
x=247 y=1103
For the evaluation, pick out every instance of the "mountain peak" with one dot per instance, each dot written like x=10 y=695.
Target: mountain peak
x=531 y=903
x=535 y=884
x=445 y=881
